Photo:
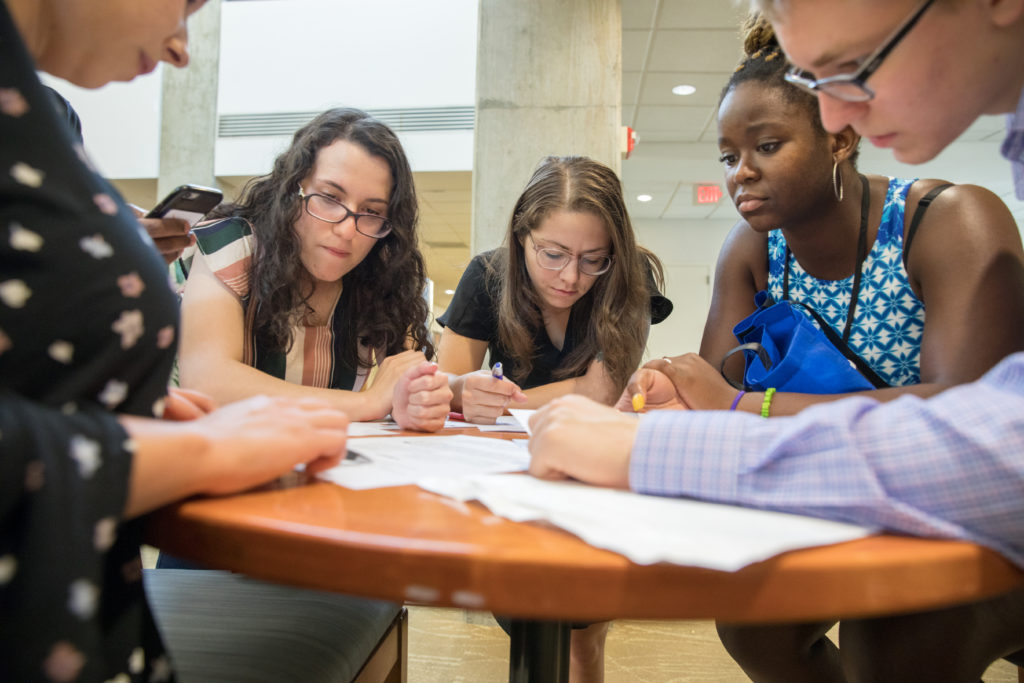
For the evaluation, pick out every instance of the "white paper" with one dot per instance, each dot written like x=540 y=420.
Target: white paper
x=648 y=529
x=382 y=428
x=522 y=415
x=398 y=460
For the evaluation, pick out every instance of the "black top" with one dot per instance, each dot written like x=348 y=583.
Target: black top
x=87 y=328
x=473 y=313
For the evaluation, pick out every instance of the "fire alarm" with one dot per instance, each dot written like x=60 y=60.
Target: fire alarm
x=628 y=138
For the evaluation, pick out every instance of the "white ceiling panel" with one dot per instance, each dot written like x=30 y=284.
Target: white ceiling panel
x=634 y=49
x=691 y=14
x=638 y=14
x=686 y=121
x=657 y=88
x=714 y=50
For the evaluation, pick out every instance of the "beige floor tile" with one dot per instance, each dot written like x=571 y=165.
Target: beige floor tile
x=453 y=646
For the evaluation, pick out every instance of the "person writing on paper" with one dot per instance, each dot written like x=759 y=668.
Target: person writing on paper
x=84 y=369
x=816 y=232
x=564 y=306
x=311 y=284
x=947 y=466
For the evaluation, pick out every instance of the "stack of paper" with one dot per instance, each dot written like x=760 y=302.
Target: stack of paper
x=648 y=529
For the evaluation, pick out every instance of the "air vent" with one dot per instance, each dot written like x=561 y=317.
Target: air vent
x=447 y=245
x=286 y=123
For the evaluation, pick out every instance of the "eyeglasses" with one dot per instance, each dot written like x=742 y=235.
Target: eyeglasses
x=556 y=259
x=329 y=210
x=853 y=87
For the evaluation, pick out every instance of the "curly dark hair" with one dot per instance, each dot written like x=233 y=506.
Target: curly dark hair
x=612 y=318
x=765 y=63
x=382 y=299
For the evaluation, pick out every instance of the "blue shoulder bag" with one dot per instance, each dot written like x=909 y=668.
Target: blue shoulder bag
x=785 y=350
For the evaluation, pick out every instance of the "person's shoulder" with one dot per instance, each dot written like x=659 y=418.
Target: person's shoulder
x=223 y=233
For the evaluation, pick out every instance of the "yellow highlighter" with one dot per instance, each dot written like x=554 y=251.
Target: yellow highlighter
x=638 y=402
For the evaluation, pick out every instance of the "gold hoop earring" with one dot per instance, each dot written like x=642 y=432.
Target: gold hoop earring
x=837 y=181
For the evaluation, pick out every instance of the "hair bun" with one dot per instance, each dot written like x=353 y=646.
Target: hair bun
x=758 y=37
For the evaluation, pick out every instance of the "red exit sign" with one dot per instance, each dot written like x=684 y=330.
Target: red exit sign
x=707 y=194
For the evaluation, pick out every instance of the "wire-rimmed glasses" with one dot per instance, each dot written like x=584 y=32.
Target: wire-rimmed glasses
x=330 y=210
x=853 y=87
x=550 y=258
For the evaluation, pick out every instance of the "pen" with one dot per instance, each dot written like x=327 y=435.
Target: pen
x=496 y=372
x=638 y=402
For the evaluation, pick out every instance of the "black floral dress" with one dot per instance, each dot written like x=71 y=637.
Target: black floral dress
x=87 y=329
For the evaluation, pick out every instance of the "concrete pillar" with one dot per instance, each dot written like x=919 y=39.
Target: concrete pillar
x=548 y=81
x=188 y=127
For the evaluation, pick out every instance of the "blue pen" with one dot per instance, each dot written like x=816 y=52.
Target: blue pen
x=496 y=371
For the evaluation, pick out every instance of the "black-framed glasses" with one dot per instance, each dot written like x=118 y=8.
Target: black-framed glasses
x=550 y=258
x=853 y=87
x=330 y=210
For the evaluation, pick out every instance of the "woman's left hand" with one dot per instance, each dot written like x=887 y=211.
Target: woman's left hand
x=697 y=383
x=422 y=398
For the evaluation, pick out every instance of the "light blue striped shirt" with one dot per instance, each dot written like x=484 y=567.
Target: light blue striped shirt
x=1013 y=145
x=951 y=466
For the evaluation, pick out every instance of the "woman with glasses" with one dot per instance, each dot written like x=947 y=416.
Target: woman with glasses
x=311 y=285
x=565 y=306
x=939 y=314
x=868 y=253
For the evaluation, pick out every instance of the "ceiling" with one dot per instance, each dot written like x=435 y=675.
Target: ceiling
x=667 y=43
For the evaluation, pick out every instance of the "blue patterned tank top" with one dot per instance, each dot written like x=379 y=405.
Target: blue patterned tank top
x=888 y=322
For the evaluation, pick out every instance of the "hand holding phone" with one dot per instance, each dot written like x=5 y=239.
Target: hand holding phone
x=170 y=221
x=188 y=202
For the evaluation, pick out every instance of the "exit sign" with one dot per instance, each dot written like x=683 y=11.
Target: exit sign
x=707 y=194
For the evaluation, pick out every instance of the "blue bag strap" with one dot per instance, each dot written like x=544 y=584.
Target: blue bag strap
x=762 y=355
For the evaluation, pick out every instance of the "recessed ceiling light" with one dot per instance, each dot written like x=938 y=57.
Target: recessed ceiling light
x=449 y=292
x=644 y=197
x=683 y=90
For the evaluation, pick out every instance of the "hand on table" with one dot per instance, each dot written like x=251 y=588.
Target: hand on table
x=680 y=382
x=391 y=369
x=422 y=398
x=485 y=397
x=261 y=438
x=574 y=437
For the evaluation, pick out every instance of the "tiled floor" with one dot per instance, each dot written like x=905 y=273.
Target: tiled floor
x=452 y=646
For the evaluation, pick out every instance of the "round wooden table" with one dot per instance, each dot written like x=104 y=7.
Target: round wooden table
x=408 y=545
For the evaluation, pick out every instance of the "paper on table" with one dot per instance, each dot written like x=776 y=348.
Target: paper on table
x=399 y=460
x=522 y=415
x=373 y=428
x=648 y=529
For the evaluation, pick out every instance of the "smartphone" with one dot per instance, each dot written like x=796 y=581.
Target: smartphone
x=190 y=202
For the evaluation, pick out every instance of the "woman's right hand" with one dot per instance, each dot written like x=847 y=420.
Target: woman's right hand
x=484 y=397
x=259 y=439
x=389 y=372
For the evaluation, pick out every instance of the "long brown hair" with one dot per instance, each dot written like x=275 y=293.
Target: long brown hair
x=611 y=320
x=382 y=300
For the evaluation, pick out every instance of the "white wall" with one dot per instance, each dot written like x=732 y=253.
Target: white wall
x=370 y=55
x=688 y=249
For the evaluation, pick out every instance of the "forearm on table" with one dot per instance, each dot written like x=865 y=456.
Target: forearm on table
x=948 y=466
x=790 y=403
x=234 y=381
x=170 y=462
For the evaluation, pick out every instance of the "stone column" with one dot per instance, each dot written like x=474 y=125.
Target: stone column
x=548 y=81
x=188 y=127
